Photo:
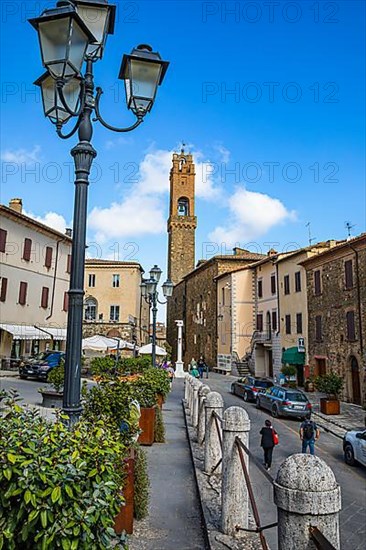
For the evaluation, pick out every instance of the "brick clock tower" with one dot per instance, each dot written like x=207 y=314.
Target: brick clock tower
x=182 y=222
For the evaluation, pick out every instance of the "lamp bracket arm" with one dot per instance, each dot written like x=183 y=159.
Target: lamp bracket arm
x=162 y=303
x=60 y=84
x=67 y=136
x=105 y=124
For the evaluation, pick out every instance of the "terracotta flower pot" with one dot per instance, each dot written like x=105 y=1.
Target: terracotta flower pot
x=124 y=519
x=330 y=406
x=147 y=425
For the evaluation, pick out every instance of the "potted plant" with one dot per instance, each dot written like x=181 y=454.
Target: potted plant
x=146 y=397
x=331 y=384
x=53 y=398
x=159 y=382
x=290 y=372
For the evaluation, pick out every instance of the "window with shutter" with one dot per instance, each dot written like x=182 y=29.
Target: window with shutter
x=260 y=289
x=3 y=235
x=260 y=322
x=274 y=320
x=317 y=283
x=4 y=286
x=297 y=281
x=348 y=271
x=286 y=284
x=299 y=323
x=44 y=297
x=318 y=328
x=48 y=257
x=23 y=293
x=288 y=324
x=27 y=249
x=66 y=302
x=351 y=333
x=68 y=264
x=273 y=284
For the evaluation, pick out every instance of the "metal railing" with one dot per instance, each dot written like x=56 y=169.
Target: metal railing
x=320 y=541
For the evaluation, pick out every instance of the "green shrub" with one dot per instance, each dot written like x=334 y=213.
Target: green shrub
x=59 y=487
x=330 y=383
x=141 y=486
x=158 y=379
x=159 y=428
x=103 y=366
x=143 y=392
x=134 y=365
x=289 y=370
x=57 y=377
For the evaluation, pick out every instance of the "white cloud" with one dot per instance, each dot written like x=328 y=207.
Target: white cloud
x=19 y=156
x=154 y=172
x=252 y=215
x=51 y=219
x=136 y=215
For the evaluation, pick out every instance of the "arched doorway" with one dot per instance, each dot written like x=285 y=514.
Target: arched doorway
x=113 y=333
x=356 y=387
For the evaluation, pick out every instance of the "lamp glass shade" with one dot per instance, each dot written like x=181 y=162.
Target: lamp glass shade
x=99 y=18
x=63 y=40
x=151 y=286
x=155 y=273
x=143 y=71
x=52 y=105
x=143 y=289
x=168 y=288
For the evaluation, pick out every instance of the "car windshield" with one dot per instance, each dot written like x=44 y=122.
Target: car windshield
x=263 y=383
x=294 y=396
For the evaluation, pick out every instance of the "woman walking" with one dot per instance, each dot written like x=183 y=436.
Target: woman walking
x=268 y=441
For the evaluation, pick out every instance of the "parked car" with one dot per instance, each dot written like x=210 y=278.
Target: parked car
x=354 y=447
x=284 y=402
x=249 y=386
x=40 y=365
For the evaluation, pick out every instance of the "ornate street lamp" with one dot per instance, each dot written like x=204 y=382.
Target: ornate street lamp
x=150 y=294
x=73 y=32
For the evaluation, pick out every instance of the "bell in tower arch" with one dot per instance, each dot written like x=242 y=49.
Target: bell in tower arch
x=183 y=206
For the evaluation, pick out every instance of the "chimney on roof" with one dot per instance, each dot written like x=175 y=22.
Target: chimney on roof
x=16 y=204
x=68 y=232
x=272 y=252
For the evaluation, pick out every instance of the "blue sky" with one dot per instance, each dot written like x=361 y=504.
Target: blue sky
x=268 y=96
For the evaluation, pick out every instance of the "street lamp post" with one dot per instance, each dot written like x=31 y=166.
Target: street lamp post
x=69 y=34
x=150 y=294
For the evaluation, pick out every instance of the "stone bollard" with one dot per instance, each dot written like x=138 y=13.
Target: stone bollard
x=306 y=494
x=186 y=386
x=196 y=389
x=234 y=492
x=202 y=394
x=214 y=403
x=192 y=381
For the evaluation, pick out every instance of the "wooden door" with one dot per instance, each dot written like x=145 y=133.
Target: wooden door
x=356 y=389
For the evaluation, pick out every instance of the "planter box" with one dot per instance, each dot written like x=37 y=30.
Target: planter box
x=124 y=519
x=147 y=425
x=52 y=399
x=330 y=406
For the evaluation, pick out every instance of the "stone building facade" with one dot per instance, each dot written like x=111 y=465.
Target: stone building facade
x=113 y=305
x=194 y=301
x=182 y=222
x=336 y=289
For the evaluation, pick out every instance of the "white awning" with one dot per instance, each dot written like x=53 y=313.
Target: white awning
x=145 y=350
x=55 y=333
x=25 y=332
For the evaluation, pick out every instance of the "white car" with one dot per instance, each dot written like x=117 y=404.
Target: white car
x=354 y=447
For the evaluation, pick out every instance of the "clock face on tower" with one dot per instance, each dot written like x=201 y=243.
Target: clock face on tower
x=182 y=221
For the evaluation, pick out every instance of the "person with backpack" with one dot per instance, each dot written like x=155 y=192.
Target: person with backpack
x=309 y=433
x=268 y=441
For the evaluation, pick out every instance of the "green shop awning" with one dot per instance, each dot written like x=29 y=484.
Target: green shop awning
x=292 y=356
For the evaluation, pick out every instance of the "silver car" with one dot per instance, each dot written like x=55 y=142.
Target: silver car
x=284 y=402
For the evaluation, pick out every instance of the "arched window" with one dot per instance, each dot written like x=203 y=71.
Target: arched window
x=183 y=206
x=90 y=309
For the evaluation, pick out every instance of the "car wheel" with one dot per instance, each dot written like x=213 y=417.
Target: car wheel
x=349 y=456
x=246 y=397
x=257 y=403
x=274 y=412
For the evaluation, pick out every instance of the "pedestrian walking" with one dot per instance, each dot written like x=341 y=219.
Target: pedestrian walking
x=268 y=441
x=201 y=366
x=309 y=433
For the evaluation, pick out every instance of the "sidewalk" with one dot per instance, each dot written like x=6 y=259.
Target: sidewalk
x=352 y=416
x=175 y=519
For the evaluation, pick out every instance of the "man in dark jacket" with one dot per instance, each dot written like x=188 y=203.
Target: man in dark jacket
x=267 y=443
x=309 y=433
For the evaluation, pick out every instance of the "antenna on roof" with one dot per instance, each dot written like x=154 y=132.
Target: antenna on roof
x=182 y=149
x=349 y=228
x=311 y=239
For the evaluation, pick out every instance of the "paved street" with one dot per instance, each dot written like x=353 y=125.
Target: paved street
x=329 y=448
